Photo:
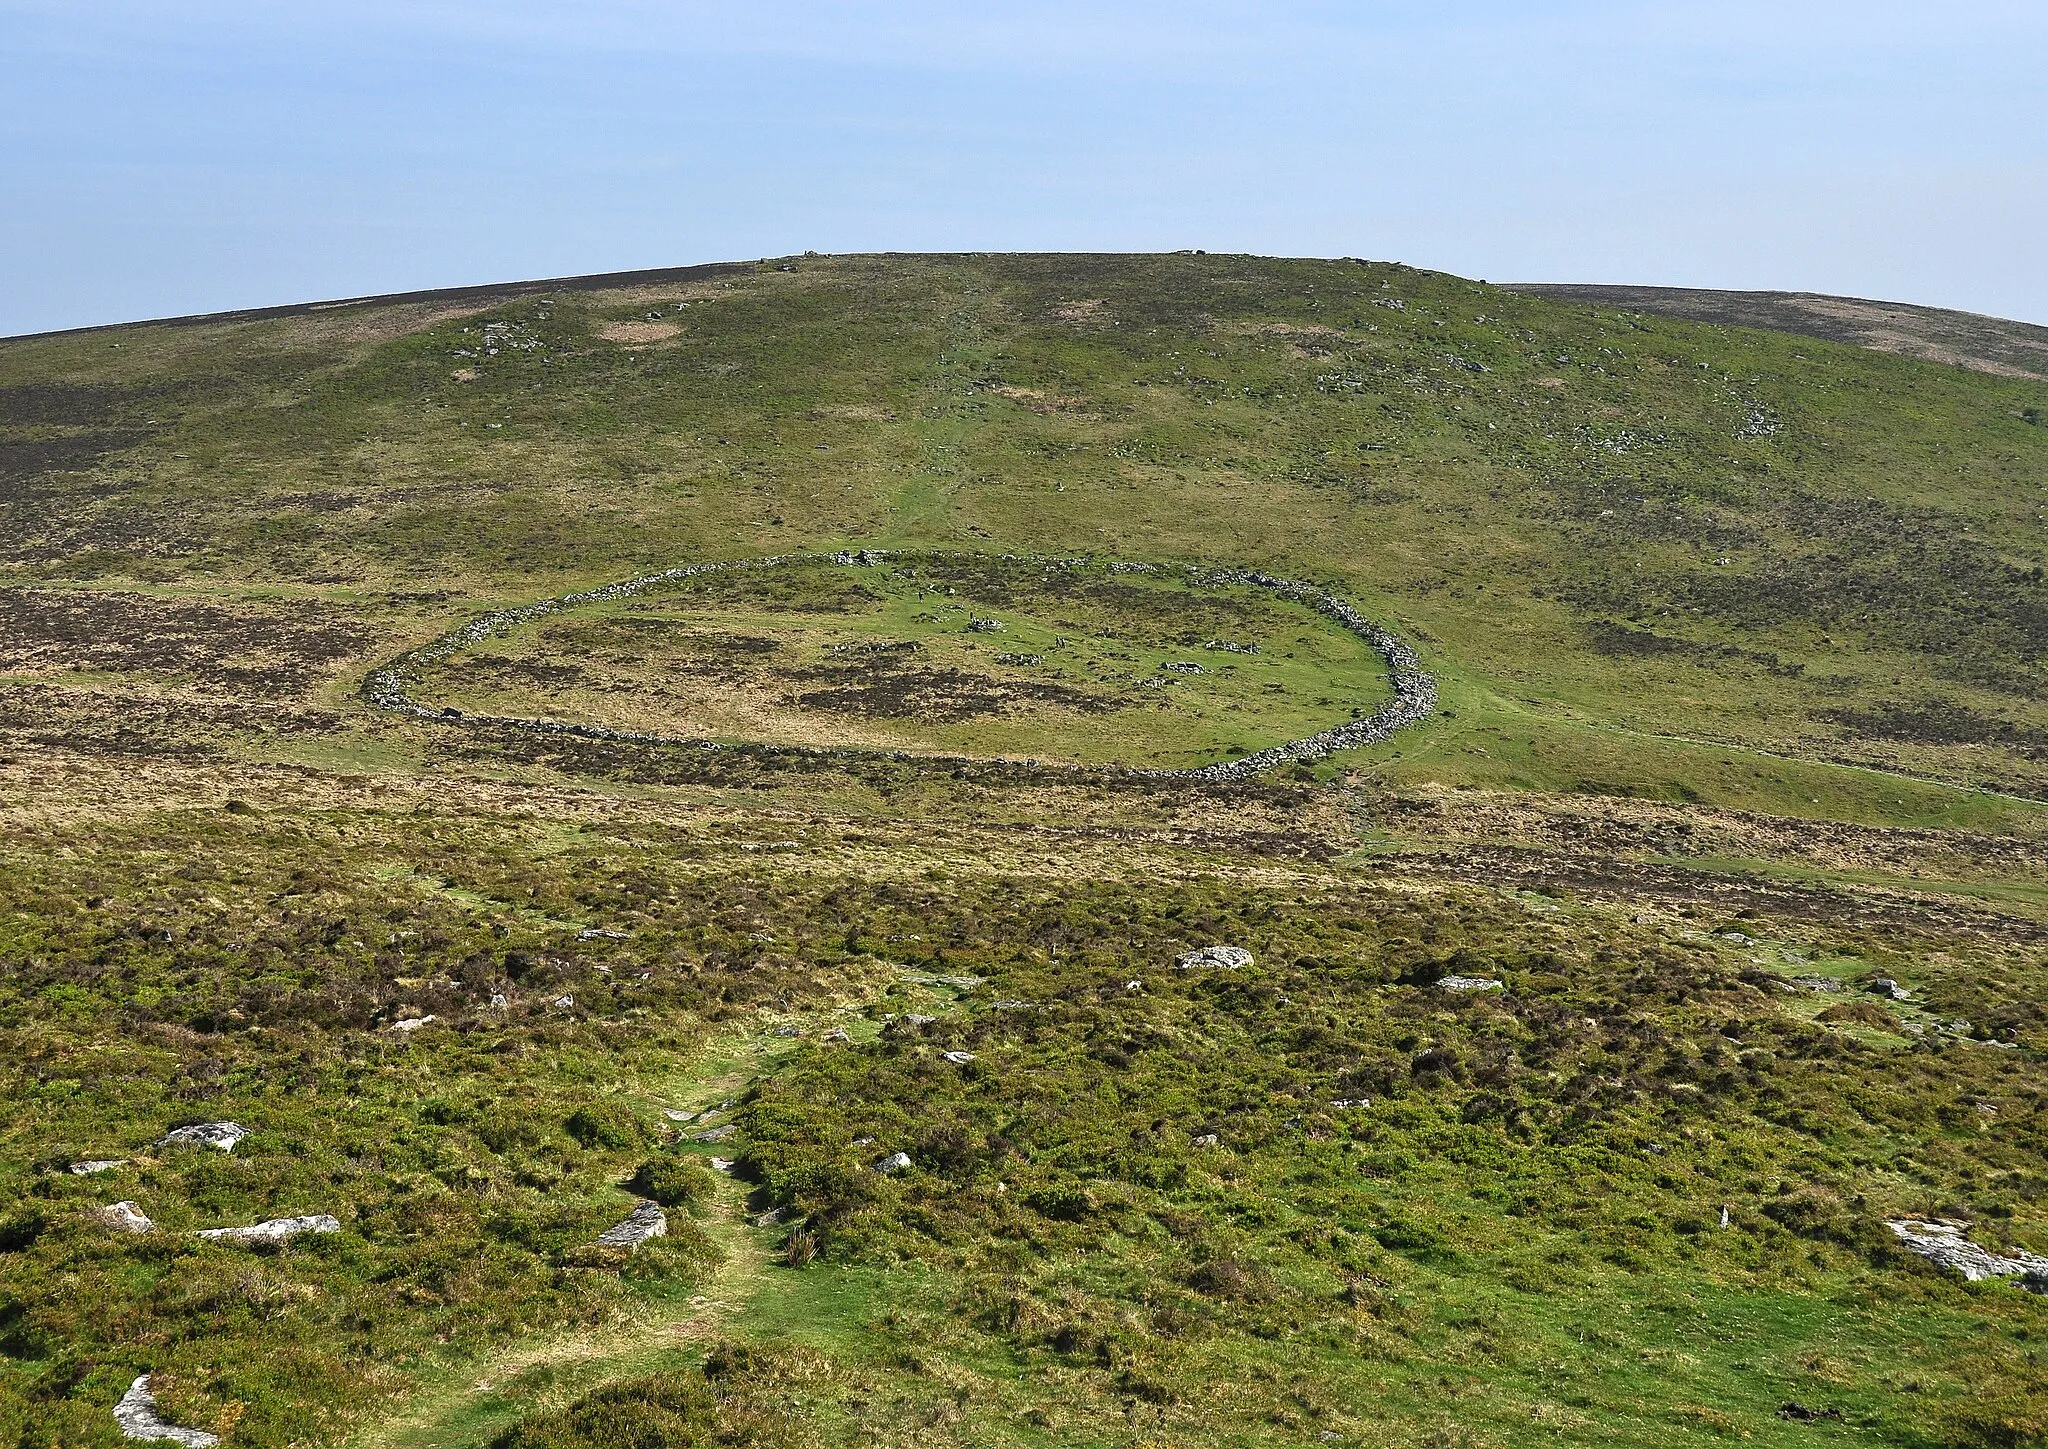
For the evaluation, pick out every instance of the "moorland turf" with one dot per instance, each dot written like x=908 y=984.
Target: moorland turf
x=1739 y=639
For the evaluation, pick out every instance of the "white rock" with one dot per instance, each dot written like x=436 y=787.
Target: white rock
x=565 y=1001
x=722 y=1164
x=223 y=1135
x=1227 y=957
x=1345 y=1104
x=1134 y=986
x=137 y=1416
x=1945 y=1245
x=87 y=1169
x=647 y=1221
x=1207 y=1139
x=1469 y=983
x=959 y=1059
x=276 y=1230
x=413 y=1023
x=126 y=1217
x=675 y=1116
x=894 y=1162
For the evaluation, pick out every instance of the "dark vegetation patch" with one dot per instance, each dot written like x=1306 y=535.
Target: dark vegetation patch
x=256 y=651
x=1627 y=642
x=1941 y=722
x=884 y=687
x=1910 y=579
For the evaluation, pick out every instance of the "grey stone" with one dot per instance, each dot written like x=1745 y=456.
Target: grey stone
x=276 y=1230
x=1228 y=958
x=647 y=1221
x=1885 y=986
x=959 y=1059
x=96 y=1165
x=1817 y=983
x=1946 y=1245
x=1207 y=1139
x=223 y=1135
x=126 y=1217
x=137 y=1416
x=894 y=1162
x=717 y=1134
x=413 y=1023
x=1469 y=983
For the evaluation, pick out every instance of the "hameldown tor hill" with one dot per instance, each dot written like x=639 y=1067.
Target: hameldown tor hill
x=1026 y=850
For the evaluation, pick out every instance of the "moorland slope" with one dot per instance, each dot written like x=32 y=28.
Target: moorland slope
x=839 y=902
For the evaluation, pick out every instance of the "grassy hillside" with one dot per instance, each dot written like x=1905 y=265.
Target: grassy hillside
x=1743 y=707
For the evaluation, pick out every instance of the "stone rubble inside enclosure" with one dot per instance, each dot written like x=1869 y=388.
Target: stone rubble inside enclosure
x=1415 y=699
x=125 y=1217
x=276 y=1230
x=137 y=1416
x=1944 y=1244
x=647 y=1221
x=1227 y=957
x=87 y=1169
x=1469 y=983
x=223 y=1135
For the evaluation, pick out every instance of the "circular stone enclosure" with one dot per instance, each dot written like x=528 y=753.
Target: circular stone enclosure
x=1051 y=660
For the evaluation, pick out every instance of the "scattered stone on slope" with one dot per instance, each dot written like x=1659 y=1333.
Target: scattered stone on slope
x=223 y=1135
x=722 y=1164
x=838 y=1033
x=1206 y=1139
x=894 y=1162
x=959 y=1059
x=1227 y=957
x=1469 y=983
x=717 y=1134
x=137 y=1416
x=413 y=1023
x=647 y=1221
x=1944 y=1244
x=88 y=1168
x=276 y=1230
x=1817 y=983
x=918 y=1018
x=1885 y=986
x=125 y=1217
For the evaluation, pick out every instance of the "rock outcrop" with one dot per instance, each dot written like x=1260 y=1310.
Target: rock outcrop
x=276 y=1230
x=125 y=1217
x=1469 y=983
x=223 y=1135
x=1228 y=958
x=647 y=1221
x=1947 y=1245
x=138 y=1418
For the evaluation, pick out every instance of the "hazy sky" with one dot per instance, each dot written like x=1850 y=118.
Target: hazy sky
x=170 y=156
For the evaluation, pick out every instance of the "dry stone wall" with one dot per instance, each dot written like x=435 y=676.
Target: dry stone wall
x=389 y=687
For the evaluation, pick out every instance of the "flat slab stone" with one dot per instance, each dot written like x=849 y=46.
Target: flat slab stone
x=1228 y=958
x=137 y=1416
x=88 y=1168
x=1469 y=983
x=223 y=1135
x=1947 y=1245
x=647 y=1221
x=276 y=1230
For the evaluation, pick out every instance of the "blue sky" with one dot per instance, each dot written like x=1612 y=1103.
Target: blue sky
x=169 y=156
